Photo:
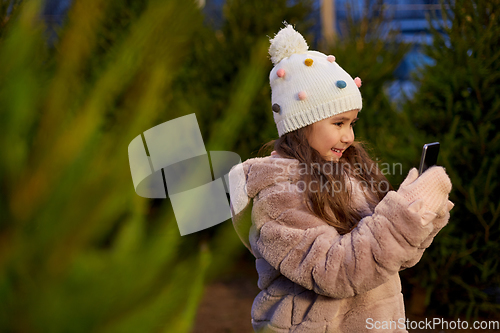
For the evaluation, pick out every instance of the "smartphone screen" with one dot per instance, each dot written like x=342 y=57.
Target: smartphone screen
x=429 y=157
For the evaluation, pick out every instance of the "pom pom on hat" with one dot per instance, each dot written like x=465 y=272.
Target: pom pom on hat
x=341 y=84
x=286 y=42
x=357 y=80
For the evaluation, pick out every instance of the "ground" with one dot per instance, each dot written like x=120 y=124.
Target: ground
x=226 y=304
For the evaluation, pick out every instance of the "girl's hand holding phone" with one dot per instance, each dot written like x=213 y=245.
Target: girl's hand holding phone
x=432 y=187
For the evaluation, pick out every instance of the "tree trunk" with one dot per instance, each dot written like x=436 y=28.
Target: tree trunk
x=328 y=22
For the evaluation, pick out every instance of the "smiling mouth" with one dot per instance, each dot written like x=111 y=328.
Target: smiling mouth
x=337 y=150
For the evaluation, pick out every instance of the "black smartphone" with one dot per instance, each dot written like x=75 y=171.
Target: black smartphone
x=429 y=157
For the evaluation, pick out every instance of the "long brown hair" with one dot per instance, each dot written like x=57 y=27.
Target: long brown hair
x=332 y=176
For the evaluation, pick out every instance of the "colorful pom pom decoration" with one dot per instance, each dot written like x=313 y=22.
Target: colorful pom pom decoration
x=276 y=108
x=357 y=80
x=308 y=62
x=302 y=95
x=341 y=84
x=280 y=72
x=330 y=58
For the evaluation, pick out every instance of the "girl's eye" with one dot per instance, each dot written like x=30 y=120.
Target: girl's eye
x=338 y=124
x=353 y=124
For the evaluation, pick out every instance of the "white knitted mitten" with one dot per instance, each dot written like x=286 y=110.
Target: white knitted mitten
x=432 y=187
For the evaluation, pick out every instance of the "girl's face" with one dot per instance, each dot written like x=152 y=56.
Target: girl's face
x=332 y=136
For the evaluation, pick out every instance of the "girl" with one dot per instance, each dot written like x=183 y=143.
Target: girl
x=328 y=232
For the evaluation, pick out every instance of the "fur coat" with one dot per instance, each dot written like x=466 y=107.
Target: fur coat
x=313 y=279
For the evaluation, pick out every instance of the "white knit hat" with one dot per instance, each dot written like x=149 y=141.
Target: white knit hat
x=307 y=86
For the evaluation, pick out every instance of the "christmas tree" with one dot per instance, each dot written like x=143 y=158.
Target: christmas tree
x=457 y=104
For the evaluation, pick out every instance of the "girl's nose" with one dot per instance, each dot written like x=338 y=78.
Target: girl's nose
x=347 y=136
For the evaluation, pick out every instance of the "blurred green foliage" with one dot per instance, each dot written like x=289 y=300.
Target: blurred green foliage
x=457 y=103
x=79 y=250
